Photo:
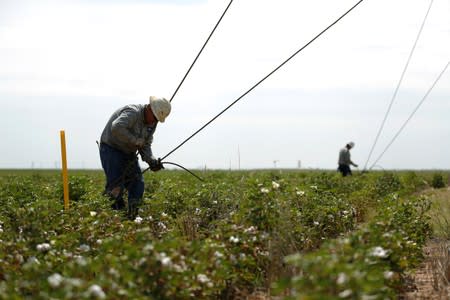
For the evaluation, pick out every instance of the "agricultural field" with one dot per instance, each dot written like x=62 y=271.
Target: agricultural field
x=237 y=235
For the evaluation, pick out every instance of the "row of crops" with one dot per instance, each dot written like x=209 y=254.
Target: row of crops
x=299 y=235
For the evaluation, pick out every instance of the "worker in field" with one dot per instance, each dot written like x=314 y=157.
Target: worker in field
x=345 y=161
x=129 y=132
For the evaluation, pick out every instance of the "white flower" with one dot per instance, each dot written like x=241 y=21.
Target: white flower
x=345 y=294
x=93 y=213
x=234 y=239
x=264 y=190
x=379 y=252
x=96 y=291
x=138 y=220
x=55 y=280
x=342 y=278
x=300 y=193
x=202 y=278
x=275 y=185
x=43 y=247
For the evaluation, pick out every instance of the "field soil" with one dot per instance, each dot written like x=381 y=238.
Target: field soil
x=431 y=279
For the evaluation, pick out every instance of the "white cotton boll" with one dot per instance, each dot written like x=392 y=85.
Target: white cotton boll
x=379 y=252
x=275 y=185
x=55 y=280
x=218 y=254
x=342 y=279
x=44 y=247
x=345 y=294
x=162 y=226
x=93 y=213
x=264 y=190
x=84 y=248
x=300 y=193
x=166 y=261
x=96 y=291
x=388 y=275
x=202 y=278
x=138 y=220
x=234 y=239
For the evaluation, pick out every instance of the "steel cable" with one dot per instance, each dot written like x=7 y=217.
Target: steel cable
x=412 y=114
x=201 y=50
x=394 y=96
x=264 y=78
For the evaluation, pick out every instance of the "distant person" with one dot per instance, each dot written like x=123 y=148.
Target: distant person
x=130 y=129
x=345 y=161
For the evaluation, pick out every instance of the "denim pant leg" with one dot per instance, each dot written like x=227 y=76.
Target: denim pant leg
x=136 y=186
x=113 y=163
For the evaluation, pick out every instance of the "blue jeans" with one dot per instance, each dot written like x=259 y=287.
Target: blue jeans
x=122 y=171
x=345 y=170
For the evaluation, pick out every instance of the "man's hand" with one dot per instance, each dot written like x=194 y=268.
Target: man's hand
x=155 y=164
x=139 y=143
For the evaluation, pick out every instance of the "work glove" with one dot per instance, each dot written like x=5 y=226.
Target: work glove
x=140 y=142
x=155 y=164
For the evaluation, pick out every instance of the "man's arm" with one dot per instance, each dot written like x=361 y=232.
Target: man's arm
x=120 y=126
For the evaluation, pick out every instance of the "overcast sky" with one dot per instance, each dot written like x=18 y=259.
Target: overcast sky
x=70 y=64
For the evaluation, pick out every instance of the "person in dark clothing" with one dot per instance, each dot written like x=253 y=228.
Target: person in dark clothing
x=344 y=161
x=129 y=132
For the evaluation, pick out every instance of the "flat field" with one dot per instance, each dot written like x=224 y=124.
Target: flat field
x=237 y=235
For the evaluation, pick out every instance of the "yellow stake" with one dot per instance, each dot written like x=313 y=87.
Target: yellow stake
x=64 y=170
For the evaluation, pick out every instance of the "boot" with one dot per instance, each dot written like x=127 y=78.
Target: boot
x=133 y=208
x=118 y=204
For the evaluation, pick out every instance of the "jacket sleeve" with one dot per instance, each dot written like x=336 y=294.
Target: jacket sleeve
x=120 y=127
x=146 y=151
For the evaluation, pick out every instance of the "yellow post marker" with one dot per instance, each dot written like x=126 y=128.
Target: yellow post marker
x=64 y=170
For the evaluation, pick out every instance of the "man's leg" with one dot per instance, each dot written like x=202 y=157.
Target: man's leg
x=135 y=191
x=113 y=164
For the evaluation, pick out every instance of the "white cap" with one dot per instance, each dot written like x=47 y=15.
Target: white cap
x=351 y=144
x=160 y=107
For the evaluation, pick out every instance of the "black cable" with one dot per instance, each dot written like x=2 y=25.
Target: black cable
x=180 y=166
x=201 y=50
x=412 y=114
x=398 y=86
x=267 y=76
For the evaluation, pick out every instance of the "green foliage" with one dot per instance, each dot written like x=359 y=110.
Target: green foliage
x=220 y=239
x=438 y=181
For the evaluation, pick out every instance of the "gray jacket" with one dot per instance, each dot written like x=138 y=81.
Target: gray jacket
x=344 y=157
x=125 y=126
